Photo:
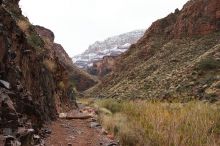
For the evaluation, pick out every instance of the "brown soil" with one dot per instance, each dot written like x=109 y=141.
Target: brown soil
x=76 y=132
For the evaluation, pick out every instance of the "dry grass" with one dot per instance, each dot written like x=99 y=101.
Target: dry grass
x=23 y=25
x=33 y=38
x=154 y=123
x=50 y=65
x=85 y=101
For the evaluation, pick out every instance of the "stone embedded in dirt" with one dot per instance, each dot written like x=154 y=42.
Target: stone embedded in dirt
x=82 y=117
x=69 y=144
x=25 y=135
x=10 y=141
x=112 y=144
x=8 y=104
x=89 y=110
x=42 y=143
x=19 y=87
x=62 y=115
x=94 y=125
x=36 y=139
x=47 y=131
x=92 y=120
x=36 y=136
x=9 y=137
x=109 y=143
x=5 y=84
x=79 y=132
x=71 y=137
x=27 y=51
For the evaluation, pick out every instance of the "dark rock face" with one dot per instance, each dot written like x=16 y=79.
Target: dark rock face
x=26 y=69
x=62 y=55
x=31 y=97
x=77 y=77
x=34 y=78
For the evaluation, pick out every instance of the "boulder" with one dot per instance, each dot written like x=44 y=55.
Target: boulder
x=62 y=115
x=94 y=125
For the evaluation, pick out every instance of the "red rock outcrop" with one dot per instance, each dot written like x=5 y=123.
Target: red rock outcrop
x=103 y=67
x=198 y=17
x=44 y=32
x=57 y=49
x=79 y=78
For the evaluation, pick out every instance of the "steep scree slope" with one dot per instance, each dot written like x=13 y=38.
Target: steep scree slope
x=178 y=57
x=34 y=78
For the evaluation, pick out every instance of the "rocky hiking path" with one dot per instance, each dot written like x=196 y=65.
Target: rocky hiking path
x=78 y=128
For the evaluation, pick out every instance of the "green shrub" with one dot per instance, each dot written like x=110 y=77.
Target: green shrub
x=35 y=40
x=208 y=64
x=110 y=104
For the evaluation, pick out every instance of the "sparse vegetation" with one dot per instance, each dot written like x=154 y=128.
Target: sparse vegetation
x=32 y=37
x=168 y=70
x=156 y=123
x=208 y=64
x=50 y=65
x=111 y=104
x=217 y=85
x=35 y=40
x=61 y=85
x=23 y=25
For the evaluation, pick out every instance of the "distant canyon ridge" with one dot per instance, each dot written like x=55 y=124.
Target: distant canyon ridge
x=100 y=58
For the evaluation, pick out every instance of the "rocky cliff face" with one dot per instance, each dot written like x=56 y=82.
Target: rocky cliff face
x=198 y=17
x=178 y=57
x=103 y=67
x=34 y=82
x=80 y=79
x=57 y=49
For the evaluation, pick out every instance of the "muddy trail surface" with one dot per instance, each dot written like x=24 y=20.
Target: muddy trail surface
x=79 y=128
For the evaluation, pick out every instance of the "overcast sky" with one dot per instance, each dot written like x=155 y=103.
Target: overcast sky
x=79 y=23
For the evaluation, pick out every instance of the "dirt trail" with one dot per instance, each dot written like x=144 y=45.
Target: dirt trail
x=78 y=132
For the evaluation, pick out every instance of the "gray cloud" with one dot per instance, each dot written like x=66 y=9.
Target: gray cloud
x=79 y=23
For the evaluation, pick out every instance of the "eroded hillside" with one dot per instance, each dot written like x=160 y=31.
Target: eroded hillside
x=178 y=57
